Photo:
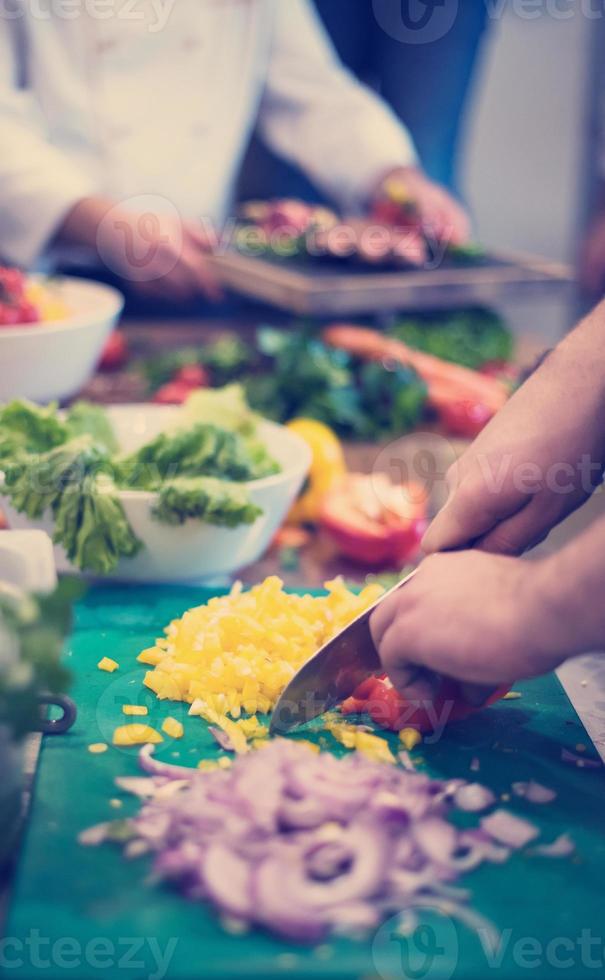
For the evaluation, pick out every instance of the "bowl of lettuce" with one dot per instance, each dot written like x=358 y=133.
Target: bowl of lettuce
x=150 y=493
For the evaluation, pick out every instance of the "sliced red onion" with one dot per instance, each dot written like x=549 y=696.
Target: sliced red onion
x=228 y=879
x=436 y=838
x=137 y=785
x=473 y=797
x=562 y=846
x=222 y=737
x=506 y=828
x=307 y=845
x=534 y=792
x=93 y=836
x=157 y=768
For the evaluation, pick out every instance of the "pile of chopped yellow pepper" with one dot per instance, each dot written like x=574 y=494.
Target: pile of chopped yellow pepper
x=234 y=655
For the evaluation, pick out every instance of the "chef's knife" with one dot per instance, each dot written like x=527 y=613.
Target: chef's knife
x=332 y=674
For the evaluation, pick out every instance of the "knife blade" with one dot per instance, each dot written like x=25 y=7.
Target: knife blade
x=332 y=674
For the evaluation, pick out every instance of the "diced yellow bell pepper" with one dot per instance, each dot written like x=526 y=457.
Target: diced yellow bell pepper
x=134 y=709
x=97 y=748
x=173 y=728
x=136 y=734
x=152 y=656
x=410 y=737
x=106 y=663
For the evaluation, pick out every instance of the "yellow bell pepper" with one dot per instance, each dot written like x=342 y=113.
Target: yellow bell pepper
x=327 y=468
x=136 y=734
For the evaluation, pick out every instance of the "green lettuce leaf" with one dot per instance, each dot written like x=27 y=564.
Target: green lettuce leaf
x=74 y=482
x=225 y=407
x=25 y=427
x=207 y=499
x=84 y=418
x=202 y=450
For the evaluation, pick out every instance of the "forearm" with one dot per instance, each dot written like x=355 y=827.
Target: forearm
x=81 y=224
x=571 y=585
x=582 y=350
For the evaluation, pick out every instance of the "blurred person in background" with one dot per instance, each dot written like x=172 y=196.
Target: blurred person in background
x=122 y=130
x=421 y=57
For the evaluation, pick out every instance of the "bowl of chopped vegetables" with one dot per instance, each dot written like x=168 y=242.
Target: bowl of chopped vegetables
x=52 y=333
x=150 y=493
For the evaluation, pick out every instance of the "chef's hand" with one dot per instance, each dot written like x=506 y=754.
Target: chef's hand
x=442 y=217
x=592 y=257
x=479 y=618
x=158 y=255
x=538 y=459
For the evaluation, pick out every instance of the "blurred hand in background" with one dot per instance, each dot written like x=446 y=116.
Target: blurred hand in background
x=157 y=255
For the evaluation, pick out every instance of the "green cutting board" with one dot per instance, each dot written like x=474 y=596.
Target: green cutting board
x=88 y=913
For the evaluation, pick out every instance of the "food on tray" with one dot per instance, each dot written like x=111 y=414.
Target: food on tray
x=393 y=232
x=28 y=301
x=374 y=521
x=476 y=397
x=68 y=464
x=307 y=845
x=237 y=653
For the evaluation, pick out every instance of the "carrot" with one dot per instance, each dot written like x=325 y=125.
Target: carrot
x=446 y=382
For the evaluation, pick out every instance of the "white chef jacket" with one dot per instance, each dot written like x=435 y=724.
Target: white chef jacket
x=158 y=97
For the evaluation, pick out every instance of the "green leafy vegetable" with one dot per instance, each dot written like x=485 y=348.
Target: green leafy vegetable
x=213 y=501
x=84 y=418
x=202 y=450
x=393 y=398
x=225 y=407
x=225 y=358
x=73 y=482
x=470 y=337
x=25 y=427
x=67 y=466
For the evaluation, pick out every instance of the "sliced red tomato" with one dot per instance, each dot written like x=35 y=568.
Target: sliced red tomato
x=115 y=352
x=172 y=393
x=373 y=521
x=388 y=709
x=465 y=418
x=192 y=375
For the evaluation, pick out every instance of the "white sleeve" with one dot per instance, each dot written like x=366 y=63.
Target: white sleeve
x=316 y=114
x=38 y=183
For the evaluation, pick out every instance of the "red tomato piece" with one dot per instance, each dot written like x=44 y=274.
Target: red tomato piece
x=192 y=375
x=465 y=418
x=388 y=709
x=115 y=352
x=172 y=393
x=374 y=521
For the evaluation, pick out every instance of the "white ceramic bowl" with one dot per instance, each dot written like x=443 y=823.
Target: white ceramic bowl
x=192 y=551
x=46 y=361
